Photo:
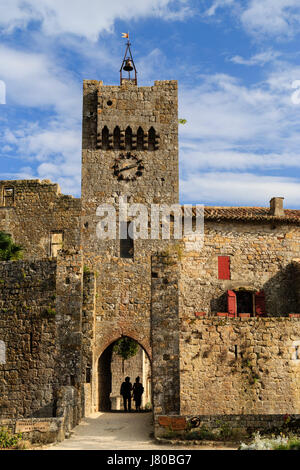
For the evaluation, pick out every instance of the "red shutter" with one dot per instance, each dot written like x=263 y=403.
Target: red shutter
x=260 y=304
x=231 y=302
x=224 y=267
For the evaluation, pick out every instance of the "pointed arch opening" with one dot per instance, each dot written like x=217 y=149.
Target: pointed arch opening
x=105 y=138
x=140 y=139
x=112 y=371
x=128 y=138
x=117 y=138
x=151 y=139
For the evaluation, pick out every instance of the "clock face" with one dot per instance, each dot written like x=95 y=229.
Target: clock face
x=128 y=167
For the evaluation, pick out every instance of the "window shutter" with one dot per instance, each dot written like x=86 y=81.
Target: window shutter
x=224 y=267
x=231 y=303
x=260 y=304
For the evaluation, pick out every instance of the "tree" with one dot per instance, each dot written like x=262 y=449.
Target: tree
x=126 y=348
x=8 y=249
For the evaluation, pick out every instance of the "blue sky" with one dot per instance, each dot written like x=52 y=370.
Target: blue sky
x=237 y=63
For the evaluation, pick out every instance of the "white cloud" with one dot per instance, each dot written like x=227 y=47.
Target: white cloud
x=32 y=79
x=237 y=136
x=238 y=189
x=258 y=59
x=87 y=19
x=217 y=4
x=276 y=18
x=224 y=109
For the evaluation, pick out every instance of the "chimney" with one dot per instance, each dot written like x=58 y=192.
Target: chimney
x=276 y=206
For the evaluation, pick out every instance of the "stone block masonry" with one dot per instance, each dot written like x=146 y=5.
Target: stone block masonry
x=28 y=330
x=239 y=366
x=35 y=212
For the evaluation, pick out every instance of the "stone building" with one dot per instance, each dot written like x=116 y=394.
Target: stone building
x=218 y=328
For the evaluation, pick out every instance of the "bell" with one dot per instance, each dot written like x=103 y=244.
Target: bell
x=128 y=66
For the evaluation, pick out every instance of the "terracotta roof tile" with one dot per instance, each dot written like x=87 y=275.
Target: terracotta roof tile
x=250 y=214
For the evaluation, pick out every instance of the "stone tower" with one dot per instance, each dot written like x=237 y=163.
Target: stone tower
x=130 y=148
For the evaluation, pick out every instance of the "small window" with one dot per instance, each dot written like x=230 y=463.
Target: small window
x=8 y=197
x=151 y=139
x=105 y=138
x=126 y=244
x=244 y=301
x=128 y=138
x=56 y=243
x=140 y=139
x=117 y=138
x=88 y=375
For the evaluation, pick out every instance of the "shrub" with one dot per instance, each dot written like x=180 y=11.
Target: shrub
x=8 y=439
x=8 y=249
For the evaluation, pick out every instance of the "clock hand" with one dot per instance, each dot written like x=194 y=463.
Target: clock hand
x=128 y=167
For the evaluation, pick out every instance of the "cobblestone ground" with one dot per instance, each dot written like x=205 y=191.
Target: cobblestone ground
x=117 y=431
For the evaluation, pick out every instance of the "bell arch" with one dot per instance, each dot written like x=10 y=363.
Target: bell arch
x=128 y=138
x=117 y=138
x=140 y=139
x=151 y=138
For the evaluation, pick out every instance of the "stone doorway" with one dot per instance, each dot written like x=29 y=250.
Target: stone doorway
x=112 y=370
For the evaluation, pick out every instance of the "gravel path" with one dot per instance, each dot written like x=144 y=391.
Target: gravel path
x=117 y=431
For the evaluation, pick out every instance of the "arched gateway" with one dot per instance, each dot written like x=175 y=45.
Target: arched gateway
x=112 y=370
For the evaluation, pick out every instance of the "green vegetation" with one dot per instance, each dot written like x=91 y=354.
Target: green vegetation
x=126 y=347
x=292 y=444
x=8 y=439
x=8 y=249
x=51 y=311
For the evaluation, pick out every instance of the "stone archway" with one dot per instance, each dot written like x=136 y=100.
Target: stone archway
x=112 y=371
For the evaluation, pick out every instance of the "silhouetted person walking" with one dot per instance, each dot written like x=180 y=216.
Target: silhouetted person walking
x=138 y=391
x=125 y=391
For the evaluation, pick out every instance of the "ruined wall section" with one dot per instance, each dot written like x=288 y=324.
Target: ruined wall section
x=28 y=331
x=40 y=328
x=261 y=258
x=239 y=366
x=35 y=210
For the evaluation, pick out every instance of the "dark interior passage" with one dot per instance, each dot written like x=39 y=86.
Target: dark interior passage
x=104 y=371
x=244 y=300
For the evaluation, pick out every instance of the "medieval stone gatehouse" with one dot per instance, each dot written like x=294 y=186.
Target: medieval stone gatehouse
x=218 y=327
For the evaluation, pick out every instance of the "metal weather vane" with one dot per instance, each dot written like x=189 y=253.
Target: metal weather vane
x=128 y=63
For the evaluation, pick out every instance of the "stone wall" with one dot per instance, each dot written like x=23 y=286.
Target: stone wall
x=165 y=334
x=40 y=326
x=37 y=210
x=28 y=329
x=261 y=258
x=239 y=366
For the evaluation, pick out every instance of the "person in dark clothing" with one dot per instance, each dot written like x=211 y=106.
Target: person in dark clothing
x=138 y=391
x=125 y=391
